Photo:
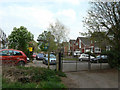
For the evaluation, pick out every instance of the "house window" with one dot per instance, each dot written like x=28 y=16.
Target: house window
x=91 y=49
x=76 y=43
x=87 y=50
x=79 y=43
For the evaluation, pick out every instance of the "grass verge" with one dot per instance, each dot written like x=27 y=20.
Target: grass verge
x=31 y=77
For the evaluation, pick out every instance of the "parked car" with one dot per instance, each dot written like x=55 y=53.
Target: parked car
x=100 y=59
x=76 y=53
x=51 y=61
x=34 y=55
x=85 y=57
x=11 y=56
x=40 y=56
x=28 y=59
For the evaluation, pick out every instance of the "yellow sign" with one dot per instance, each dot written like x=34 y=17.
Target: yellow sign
x=30 y=49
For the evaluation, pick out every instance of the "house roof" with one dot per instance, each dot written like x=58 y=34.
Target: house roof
x=72 y=41
x=86 y=40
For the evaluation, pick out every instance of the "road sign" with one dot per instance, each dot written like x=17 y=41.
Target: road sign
x=30 y=49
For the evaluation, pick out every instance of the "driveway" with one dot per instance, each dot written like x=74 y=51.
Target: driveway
x=107 y=78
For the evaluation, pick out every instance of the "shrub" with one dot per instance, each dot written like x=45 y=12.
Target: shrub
x=31 y=77
x=114 y=58
x=52 y=85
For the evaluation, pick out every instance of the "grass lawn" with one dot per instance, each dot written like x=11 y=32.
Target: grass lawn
x=31 y=77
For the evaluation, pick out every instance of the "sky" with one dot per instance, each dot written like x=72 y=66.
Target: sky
x=36 y=15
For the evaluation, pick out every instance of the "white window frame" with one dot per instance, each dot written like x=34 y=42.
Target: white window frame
x=79 y=43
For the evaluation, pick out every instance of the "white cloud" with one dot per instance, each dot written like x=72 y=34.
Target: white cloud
x=37 y=17
x=70 y=13
x=74 y=2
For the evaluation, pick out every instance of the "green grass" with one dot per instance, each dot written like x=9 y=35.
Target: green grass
x=39 y=78
x=52 y=85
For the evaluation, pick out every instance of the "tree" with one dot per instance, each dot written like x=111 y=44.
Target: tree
x=46 y=41
x=59 y=31
x=103 y=23
x=19 y=38
x=105 y=17
x=35 y=46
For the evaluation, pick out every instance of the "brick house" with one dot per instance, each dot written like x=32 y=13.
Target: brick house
x=65 y=47
x=71 y=45
x=84 y=44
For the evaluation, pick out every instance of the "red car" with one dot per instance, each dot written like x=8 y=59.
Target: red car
x=34 y=55
x=11 y=56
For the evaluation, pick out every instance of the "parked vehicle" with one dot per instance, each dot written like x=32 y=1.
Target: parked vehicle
x=85 y=57
x=51 y=61
x=11 y=56
x=40 y=56
x=76 y=53
x=34 y=55
x=100 y=59
x=28 y=59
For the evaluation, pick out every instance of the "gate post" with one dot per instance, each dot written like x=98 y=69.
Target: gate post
x=89 y=63
x=59 y=61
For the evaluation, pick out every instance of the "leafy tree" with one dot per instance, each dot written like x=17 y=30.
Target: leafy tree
x=59 y=31
x=103 y=23
x=105 y=17
x=46 y=41
x=19 y=38
x=34 y=44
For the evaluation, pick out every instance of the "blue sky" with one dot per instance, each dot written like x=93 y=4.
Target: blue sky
x=36 y=15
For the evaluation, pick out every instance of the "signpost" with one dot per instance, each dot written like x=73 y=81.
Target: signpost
x=30 y=50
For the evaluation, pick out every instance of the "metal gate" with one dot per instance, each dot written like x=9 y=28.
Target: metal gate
x=71 y=63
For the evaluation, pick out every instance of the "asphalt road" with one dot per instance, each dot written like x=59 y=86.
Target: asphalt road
x=107 y=78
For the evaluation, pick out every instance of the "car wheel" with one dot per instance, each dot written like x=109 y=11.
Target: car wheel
x=21 y=63
x=43 y=62
x=81 y=60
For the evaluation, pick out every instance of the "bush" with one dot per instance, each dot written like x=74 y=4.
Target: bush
x=61 y=74
x=31 y=77
x=52 y=85
x=114 y=58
